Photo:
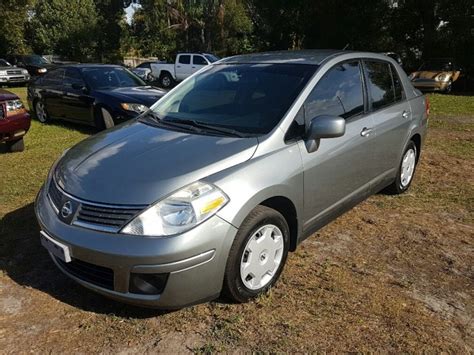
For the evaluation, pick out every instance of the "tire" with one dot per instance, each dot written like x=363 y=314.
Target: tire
x=16 y=146
x=103 y=119
x=406 y=171
x=166 y=81
x=239 y=284
x=40 y=111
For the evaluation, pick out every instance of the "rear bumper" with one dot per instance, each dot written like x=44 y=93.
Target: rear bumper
x=15 y=127
x=192 y=263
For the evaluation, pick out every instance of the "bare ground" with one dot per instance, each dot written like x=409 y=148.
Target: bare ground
x=394 y=274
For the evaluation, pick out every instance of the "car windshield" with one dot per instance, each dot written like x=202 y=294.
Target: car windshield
x=248 y=98
x=34 y=60
x=437 y=66
x=211 y=58
x=110 y=77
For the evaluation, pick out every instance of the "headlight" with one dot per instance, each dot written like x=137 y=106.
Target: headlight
x=180 y=212
x=412 y=76
x=15 y=107
x=138 y=108
x=24 y=71
x=3 y=72
x=442 y=77
x=42 y=70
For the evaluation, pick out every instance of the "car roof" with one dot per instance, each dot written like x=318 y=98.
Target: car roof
x=310 y=56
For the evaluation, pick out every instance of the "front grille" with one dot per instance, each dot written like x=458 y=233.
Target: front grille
x=94 y=274
x=55 y=195
x=114 y=217
x=14 y=72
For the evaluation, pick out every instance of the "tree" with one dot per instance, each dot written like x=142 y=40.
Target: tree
x=64 y=27
x=13 y=16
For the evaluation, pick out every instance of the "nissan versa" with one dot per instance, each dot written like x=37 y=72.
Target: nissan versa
x=205 y=193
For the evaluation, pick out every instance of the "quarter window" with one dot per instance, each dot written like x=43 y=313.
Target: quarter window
x=184 y=59
x=338 y=93
x=397 y=85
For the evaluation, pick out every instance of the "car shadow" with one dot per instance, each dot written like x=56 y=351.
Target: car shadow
x=27 y=263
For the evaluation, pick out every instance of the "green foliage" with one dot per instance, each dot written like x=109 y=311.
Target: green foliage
x=13 y=16
x=64 y=27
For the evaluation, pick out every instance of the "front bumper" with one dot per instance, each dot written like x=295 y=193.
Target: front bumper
x=194 y=262
x=14 y=127
x=429 y=84
x=15 y=79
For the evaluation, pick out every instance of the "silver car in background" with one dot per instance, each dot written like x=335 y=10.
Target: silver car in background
x=205 y=194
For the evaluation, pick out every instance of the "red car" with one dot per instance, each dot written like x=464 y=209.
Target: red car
x=14 y=121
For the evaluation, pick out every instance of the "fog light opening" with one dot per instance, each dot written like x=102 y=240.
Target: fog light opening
x=147 y=284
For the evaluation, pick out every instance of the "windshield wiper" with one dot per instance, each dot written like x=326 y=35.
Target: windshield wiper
x=160 y=121
x=208 y=127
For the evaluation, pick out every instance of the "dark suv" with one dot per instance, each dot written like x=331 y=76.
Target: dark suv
x=35 y=64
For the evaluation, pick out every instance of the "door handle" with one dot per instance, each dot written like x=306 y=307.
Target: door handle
x=406 y=114
x=366 y=132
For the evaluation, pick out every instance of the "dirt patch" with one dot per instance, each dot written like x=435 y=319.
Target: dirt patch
x=394 y=274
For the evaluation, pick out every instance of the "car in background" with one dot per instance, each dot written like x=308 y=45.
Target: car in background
x=437 y=74
x=144 y=71
x=207 y=193
x=185 y=65
x=35 y=64
x=14 y=121
x=99 y=95
x=12 y=75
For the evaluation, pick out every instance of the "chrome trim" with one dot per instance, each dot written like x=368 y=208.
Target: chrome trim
x=96 y=227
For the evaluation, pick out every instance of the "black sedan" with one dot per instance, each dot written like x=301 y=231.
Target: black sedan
x=35 y=64
x=93 y=94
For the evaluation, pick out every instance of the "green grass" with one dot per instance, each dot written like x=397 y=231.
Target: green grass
x=451 y=105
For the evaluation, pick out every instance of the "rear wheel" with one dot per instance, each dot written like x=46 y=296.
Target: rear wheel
x=257 y=256
x=166 y=81
x=16 y=146
x=40 y=111
x=406 y=170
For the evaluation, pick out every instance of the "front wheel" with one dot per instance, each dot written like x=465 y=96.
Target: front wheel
x=257 y=256
x=406 y=170
x=40 y=111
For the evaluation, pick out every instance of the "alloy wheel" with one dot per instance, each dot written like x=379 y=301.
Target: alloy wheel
x=408 y=167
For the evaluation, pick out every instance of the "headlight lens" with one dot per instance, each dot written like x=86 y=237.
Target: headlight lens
x=3 y=72
x=42 y=70
x=24 y=71
x=442 y=77
x=14 y=107
x=138 y=108
x=180 y=212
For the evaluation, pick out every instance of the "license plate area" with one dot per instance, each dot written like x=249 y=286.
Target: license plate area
x=56 y=248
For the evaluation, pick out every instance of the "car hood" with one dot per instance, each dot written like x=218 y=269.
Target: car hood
x=7 y=95
x=137 y=164
x=146 y=95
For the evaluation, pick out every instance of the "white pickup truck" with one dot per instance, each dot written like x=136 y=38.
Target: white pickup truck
x=185 y=65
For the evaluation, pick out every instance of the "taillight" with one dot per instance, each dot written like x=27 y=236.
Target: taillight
x=427 y=105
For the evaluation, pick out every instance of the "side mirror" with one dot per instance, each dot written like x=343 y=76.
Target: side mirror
x=324 y=126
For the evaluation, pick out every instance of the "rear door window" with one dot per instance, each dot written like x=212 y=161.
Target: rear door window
x=184 y=59
x=338 y=93
x=54 y=77
x=72 y=76
x=380 y=84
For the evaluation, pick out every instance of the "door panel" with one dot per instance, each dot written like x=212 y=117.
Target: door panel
x=183 y=66
x=77 y=104
x=338 y=172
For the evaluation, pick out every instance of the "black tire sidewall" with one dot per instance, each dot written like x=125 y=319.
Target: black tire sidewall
x=16 y=146
x=261 y=216
x=163 y=76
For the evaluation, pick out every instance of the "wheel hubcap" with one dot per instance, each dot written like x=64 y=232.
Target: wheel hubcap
x=40 y=112
x=262 y=257
x=408 y=167
x=166 y=81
